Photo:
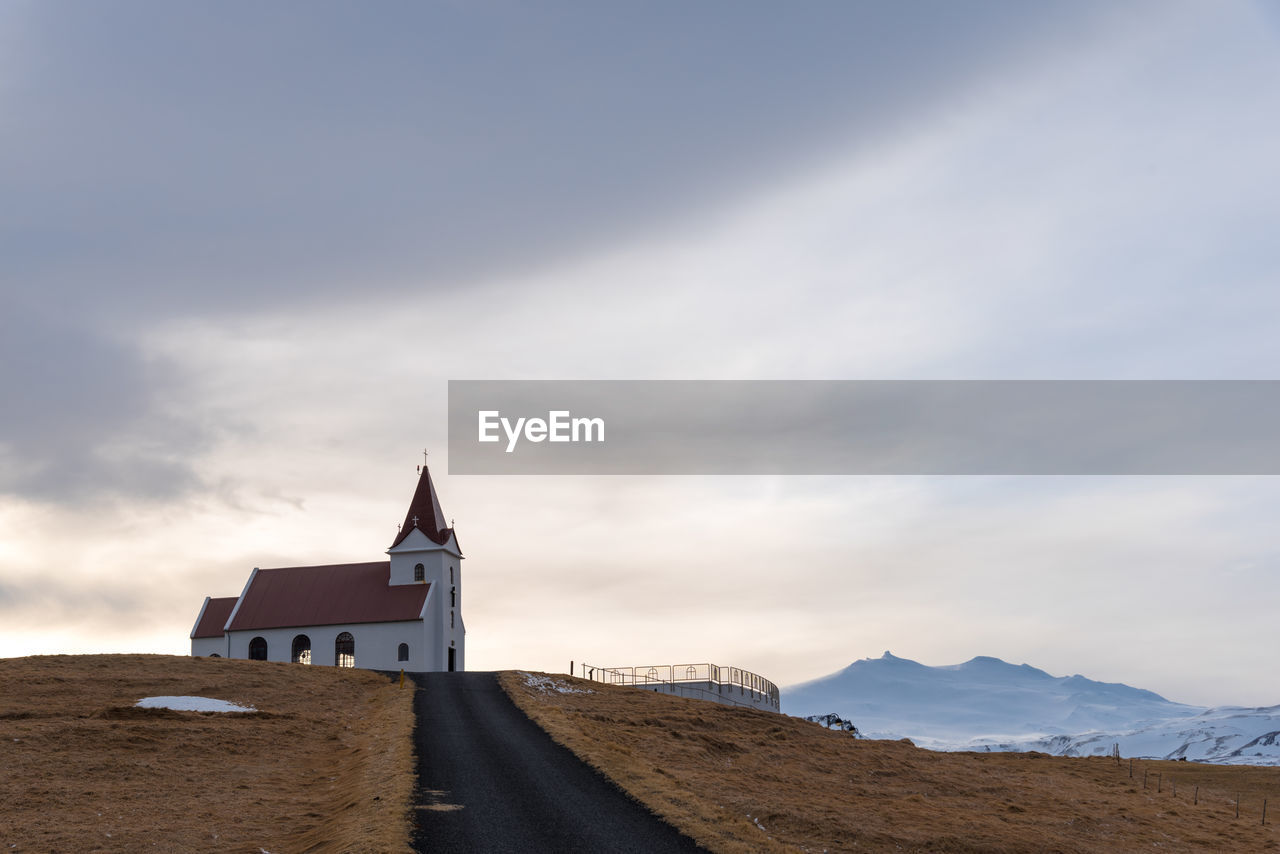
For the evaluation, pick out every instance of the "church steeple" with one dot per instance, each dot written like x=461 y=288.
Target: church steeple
x=425 y=513
x=426 y=552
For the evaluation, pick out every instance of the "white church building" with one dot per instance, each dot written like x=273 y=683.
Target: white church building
x=403 y=613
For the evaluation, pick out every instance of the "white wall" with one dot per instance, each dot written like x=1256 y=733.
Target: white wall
x=376 y=644
x=442 y=566
x=209 y=646
x=727 y=695
x=418 y=548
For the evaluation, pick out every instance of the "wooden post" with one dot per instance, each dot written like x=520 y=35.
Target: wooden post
x=1197 y=797
x=1264 y=810
x=571 y=667
x=1130 y=767
x=401 y=677
x=1159 y=782
x=1144 y=778
x=1174 y=781
x=1237 y=804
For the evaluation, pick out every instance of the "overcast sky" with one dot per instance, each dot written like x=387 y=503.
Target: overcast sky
x=244 y=246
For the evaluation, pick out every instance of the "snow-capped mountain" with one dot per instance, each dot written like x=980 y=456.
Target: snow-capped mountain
x=989 y=704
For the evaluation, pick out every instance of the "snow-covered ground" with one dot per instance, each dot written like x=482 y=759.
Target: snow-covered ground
x=192 y=704
x=546 y=683
x=989 y=704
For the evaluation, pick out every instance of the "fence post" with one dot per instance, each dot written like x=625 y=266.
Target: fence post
x=1144 y=778
x=1159 y=781
x=1130 y=767
x=1264 y=810
x=571 y=667
x=1237 y=804
x=1197 y=796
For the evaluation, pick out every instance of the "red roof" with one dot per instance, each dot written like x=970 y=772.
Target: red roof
x=214 y=617
x=425 y=514
x=326 y=596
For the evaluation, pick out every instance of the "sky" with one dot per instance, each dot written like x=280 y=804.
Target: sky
x=244 y=247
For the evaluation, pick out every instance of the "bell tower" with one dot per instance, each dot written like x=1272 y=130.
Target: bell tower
x=426 y=552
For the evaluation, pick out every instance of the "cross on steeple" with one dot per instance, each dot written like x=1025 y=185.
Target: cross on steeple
x=424 y=513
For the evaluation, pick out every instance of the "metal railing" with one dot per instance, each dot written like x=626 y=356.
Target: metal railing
x=681 y=674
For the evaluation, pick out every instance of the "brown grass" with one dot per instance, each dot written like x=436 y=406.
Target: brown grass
x=706 y=768
x=325 y=764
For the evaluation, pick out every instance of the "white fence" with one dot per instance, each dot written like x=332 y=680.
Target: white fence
x=718 y=683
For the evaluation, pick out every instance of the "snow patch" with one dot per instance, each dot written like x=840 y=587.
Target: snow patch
x=546 y=683
x=834 y=721
x=191 y=704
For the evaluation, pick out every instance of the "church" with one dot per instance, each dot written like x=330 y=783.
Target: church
x=403 y=613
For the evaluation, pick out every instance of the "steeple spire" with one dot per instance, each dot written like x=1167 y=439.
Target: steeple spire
x=425 y=514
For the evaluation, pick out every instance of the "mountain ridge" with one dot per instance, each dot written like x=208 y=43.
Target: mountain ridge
x=986 y=703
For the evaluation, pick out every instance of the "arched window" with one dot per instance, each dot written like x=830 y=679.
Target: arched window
x=344 y=650
x=214 y=655
x=419 y=573
x=258 y=649
x=402 y=654
x=301 y=650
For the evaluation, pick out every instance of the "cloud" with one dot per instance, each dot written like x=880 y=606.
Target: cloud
x=180 y=159
x=253 y=246
x=84 y=415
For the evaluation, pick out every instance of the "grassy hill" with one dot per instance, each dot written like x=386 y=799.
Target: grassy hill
x=325 y=764
x=743 y=780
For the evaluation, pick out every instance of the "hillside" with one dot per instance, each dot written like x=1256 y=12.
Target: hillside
x=741 y=780
x=323 y=764
x=989 y=704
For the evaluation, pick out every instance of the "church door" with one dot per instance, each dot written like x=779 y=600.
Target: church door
x=453 y=659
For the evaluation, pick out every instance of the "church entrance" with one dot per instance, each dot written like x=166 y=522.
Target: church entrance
x=453 y=659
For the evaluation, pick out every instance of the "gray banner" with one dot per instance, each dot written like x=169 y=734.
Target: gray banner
x=998 y=427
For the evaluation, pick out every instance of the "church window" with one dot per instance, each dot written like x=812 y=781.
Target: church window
x=450 y=575
x=450 y=619
x=403 y=653
x=419 y=572
x=258 y=649
x=344 y=650
x=301 y=650
x=453 y=597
